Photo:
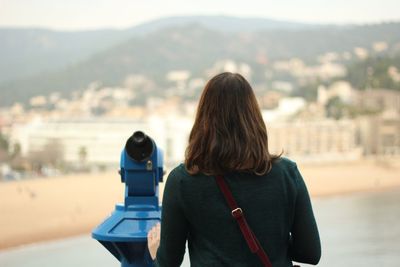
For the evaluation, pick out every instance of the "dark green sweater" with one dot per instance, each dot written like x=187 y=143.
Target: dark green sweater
x=276 y=205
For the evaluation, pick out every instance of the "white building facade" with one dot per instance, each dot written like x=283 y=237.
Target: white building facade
x=103 y=139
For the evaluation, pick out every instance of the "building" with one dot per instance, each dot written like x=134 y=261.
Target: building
x=378 y=100
x=317 y=141
x=99 y=142
x=380 y=134
x=341 y=89
x=287 y=107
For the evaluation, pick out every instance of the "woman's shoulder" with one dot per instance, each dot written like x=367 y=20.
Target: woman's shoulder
x=285 y=163
x=178 y=171
x=179 y=178
x=181 y=171
x=287 y=168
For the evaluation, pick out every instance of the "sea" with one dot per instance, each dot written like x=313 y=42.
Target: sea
x=360 y=229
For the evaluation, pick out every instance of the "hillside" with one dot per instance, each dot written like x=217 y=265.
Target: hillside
x=195 y=47
x=25 y=52
x=374 y=73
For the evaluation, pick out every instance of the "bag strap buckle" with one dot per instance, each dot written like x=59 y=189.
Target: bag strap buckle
x=237 y=213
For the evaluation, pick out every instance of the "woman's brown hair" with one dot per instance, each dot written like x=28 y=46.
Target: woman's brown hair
x=229 y=133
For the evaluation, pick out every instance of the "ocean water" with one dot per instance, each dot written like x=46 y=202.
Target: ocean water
x=361 y=229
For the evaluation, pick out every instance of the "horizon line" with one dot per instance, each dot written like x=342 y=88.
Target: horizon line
x=116 y=28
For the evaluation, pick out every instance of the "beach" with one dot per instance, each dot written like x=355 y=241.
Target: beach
x=40 y=209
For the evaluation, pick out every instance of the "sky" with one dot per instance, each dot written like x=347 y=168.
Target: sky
x=97 y=14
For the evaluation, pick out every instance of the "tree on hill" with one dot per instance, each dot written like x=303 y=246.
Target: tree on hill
x=374 y=73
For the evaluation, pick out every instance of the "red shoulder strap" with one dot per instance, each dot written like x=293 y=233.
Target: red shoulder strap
x=237 y=213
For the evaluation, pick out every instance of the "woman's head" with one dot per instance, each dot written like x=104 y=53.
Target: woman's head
x=229 y=133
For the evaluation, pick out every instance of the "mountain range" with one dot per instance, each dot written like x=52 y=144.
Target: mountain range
x=29 y=51
x=40 y=61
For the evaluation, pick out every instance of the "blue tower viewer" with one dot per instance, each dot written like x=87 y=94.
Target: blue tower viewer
x=124 y=233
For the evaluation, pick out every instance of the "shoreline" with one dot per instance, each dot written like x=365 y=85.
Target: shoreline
x=87 y=232
x=355 y=192
x=45 y=209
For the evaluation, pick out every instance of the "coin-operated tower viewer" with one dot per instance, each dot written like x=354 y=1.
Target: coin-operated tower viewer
x=124 y=233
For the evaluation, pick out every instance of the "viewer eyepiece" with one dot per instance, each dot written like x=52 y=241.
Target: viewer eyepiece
x=138 y=138
x=139 y=146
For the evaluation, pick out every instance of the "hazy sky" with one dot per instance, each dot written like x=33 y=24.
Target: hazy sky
x=94 y=14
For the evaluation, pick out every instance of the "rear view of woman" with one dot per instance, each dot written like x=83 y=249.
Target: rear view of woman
x=229 y=140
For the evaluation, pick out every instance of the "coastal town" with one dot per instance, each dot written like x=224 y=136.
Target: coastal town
x=79 y=78
x=87 y=130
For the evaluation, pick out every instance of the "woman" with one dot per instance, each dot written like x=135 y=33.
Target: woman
x=229 y=138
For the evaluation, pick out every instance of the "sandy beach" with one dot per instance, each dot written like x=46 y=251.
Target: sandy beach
x=51 y=208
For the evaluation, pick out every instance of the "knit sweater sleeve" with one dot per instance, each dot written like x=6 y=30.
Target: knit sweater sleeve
x=174 y=226
x=306 y=246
